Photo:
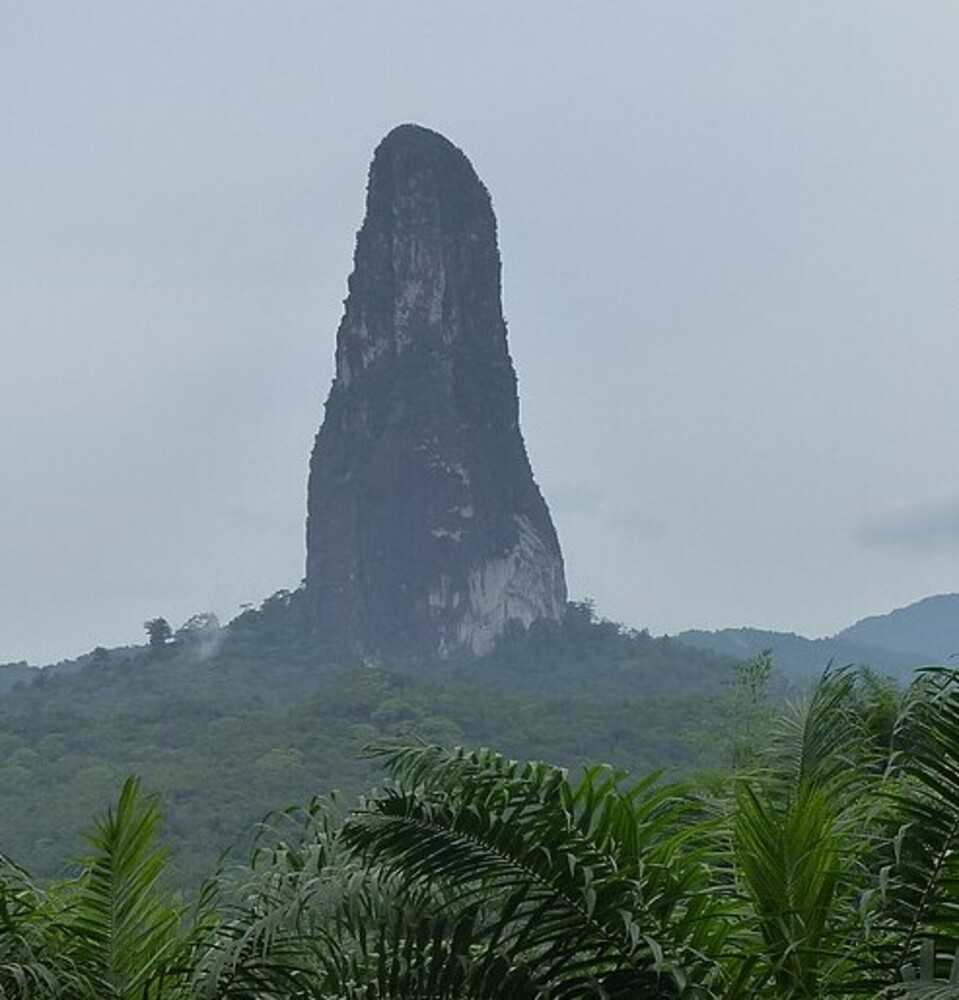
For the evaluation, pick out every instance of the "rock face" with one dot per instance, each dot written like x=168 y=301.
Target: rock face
x=425 y=529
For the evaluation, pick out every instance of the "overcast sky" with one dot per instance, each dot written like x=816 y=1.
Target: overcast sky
x=729 y=236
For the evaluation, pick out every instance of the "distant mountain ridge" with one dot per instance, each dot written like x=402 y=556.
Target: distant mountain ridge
x=919 y=634
x=930 y=626
x=799 y=657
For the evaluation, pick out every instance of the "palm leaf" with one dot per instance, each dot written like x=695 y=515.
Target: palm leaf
x=312 y=921
x=589 y=889
x=921 y=870
x=128 y=932
x=36 y=958
x=802 y=845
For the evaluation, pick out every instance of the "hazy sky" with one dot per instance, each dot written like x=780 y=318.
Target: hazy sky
x=731 y=272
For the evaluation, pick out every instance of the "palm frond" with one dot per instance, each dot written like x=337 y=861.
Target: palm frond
x=588 y=888
x=802 y=841
x=922 y=863
x=820 y=741
x=35 y=959
x=790 y=865
x=128 y=931
x=311 y=920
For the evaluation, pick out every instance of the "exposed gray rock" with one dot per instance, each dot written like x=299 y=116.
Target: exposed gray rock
x=425 y=529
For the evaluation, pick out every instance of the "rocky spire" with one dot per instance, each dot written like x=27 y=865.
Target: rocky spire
x=425 y=529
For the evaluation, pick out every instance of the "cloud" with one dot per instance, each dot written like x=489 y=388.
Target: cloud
x=574 y=498
x=584 y=501
x=637 y=524
x=921 y=527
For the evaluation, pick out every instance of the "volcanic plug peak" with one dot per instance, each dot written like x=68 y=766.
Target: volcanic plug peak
x=425 y=528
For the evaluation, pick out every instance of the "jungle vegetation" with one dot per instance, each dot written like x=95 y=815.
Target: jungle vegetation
x=225 y=724
x=823 y=865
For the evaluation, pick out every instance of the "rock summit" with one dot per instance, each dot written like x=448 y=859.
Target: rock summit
x=425 y=528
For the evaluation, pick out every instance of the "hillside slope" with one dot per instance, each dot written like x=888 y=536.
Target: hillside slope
x=930 y=626
x=264 y=722
x=799 y=658
x=13 y=674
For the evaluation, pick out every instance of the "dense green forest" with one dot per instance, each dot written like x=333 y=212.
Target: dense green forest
x=226 y=724
x=822 y=866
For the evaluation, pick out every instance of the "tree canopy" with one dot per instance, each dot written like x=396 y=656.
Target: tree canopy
x=824 y=867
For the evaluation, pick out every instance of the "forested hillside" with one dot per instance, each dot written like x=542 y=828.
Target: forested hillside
x=12 y=674
x=821 y=867
x=929 y=626
x=922 y=633
x=228 y=723
x=799 y=658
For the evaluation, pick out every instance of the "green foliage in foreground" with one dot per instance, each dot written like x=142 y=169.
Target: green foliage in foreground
x=827 y=871
x=226 y=723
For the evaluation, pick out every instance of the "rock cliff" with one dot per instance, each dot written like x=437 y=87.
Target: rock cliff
x=425 y=528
